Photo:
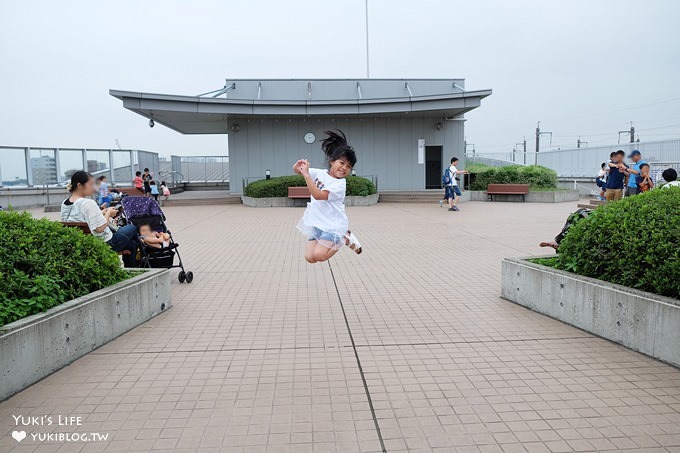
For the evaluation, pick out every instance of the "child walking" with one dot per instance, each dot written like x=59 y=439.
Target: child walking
x=325 y=222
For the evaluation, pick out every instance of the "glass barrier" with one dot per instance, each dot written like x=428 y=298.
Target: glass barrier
x=122 y=170
x=13 y=167
x=43 y=167
x=69 y=162
x=98 y=163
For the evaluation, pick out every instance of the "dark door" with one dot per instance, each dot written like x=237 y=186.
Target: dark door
x=433 y=167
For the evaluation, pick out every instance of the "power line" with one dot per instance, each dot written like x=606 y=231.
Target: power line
x=664 y=101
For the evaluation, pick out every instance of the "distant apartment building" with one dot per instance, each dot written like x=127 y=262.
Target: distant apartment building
x=44 y=170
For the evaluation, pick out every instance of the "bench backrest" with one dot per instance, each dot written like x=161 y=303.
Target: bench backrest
x=298 y=192
x=82 y=226
x=508 y=188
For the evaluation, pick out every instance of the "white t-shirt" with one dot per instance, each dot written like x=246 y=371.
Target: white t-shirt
x=86 y=210
x=454 y=173
x=675 y=183
x=327 y=215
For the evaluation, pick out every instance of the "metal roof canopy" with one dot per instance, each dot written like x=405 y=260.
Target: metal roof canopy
x=320 y=97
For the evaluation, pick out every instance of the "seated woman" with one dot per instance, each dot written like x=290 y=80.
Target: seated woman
x=152 y=238
x=79 y=207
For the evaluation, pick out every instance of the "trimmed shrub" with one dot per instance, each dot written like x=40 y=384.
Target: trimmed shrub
x=534 y=175
x=274 y=187
x=633 y=242
x=278 y=186
x=43 y=264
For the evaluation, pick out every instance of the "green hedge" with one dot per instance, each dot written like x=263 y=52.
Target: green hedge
x=43 y=264
x=534 y=175
x=278 y=187
x=632 y=242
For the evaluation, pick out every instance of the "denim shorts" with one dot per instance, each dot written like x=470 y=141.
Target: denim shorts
x=451 y=191
x=320 y=235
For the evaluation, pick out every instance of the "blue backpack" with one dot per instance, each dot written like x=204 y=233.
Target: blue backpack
x=446 y=177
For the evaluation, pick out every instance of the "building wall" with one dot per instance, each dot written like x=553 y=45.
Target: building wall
x=385 y=146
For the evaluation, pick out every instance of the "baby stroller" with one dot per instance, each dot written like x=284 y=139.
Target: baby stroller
x=145 y=211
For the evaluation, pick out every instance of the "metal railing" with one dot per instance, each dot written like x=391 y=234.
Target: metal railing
x=587 y=161
x=53 y=167
x=196 y=169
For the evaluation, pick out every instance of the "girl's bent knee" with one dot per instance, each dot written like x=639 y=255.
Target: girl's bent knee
x=319 y=257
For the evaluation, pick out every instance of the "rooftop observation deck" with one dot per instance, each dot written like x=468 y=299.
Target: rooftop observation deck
x=407 y=347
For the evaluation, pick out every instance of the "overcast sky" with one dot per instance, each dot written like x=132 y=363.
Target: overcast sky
x=583 y=67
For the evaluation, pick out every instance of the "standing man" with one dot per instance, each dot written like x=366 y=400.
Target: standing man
x=633 y=172
x=453 y=193
x=616 y=176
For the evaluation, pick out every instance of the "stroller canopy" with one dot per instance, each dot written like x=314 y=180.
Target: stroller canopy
x=141 y=207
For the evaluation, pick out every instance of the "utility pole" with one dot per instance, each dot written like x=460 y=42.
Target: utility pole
x=368 y=70
x=538 y=140
x=630 y=132
x=524 y=150
x=580 y=142
x=466 y=148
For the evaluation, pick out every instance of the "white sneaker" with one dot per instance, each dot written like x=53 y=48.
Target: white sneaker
x=353 y=242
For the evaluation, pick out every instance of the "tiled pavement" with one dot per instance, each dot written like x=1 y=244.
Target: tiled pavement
x=264 y=352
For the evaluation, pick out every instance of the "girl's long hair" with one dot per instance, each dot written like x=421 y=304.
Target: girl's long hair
x=335 y=147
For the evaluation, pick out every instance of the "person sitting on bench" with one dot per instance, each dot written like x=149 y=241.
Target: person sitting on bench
x=79 y=207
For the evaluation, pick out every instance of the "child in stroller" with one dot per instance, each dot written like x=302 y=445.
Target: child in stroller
x=155 y=239
x=158 y=248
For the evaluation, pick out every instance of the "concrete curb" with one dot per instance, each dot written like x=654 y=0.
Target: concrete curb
x=557 y=196
x=36 y=346
x=284 y=202
x=639 y=320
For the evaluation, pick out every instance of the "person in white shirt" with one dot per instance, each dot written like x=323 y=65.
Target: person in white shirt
x=453 y=193
x=601 y=180
x=671 y=177
x=325 y=222
x=79 y=207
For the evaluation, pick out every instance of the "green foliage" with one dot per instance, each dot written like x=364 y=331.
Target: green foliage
x=274 y=187
x=43 y=264
x=360 y=187
x=536 y=176
x=278 y=187
x=550 y=261
x=633 y=242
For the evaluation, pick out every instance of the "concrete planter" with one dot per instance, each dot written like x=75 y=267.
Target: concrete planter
x=283 y=202
x=34 y=347
x=557 y=196
x=636 y=319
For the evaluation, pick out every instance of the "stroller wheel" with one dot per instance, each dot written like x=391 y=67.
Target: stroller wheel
x=182 y=276
x=189 y=276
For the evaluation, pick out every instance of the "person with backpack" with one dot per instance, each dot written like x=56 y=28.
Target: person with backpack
x=601 y=181
x=450 y=183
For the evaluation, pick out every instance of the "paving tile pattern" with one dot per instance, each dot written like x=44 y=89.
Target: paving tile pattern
x=257 y=354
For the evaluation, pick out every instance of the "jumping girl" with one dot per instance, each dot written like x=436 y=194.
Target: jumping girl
x=325 y=222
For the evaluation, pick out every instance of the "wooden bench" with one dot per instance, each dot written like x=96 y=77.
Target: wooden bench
x=299 y=192
x=85 y=228
x=82 y=226
x=507 y=189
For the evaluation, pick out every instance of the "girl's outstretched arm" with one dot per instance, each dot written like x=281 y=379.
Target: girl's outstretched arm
x=315 y=191
x=296 y=166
